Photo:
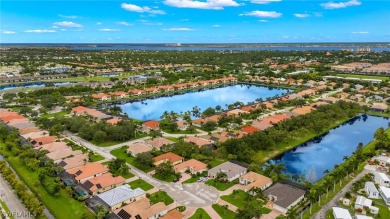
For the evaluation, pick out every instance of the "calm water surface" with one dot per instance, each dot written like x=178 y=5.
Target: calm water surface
x=154 y=108
x=322 y=153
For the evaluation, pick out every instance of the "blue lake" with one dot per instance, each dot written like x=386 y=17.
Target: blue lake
x=322 y=153
x=33 y=84
x=154 y=108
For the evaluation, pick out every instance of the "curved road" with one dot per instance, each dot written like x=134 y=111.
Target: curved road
x=190 y=195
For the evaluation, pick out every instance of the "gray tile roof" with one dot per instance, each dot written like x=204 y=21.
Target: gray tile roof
x=285 y=194
x=120 y=194
x=229 y=168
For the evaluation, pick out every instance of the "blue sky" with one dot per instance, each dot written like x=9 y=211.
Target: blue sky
x=194 y=21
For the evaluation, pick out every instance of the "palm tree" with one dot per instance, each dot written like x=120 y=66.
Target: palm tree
x=291 y=213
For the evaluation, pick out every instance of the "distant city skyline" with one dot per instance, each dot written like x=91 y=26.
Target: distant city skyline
x=193 y=21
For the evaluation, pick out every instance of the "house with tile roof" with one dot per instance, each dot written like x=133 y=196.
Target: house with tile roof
x=103 y=183
x=200 y=142
x=174 y=214
x=233 y=171
x=252 y=180
x=88 y=171
x=63 y=153
x=43 y=140
x=151 y=124
x=139 y=147
x=142 y=209
x=54 y=146
x=73 y=162
x=168 y=157
x=159 y=142
x=101 y=97
x=249 y=129
x=194 y=166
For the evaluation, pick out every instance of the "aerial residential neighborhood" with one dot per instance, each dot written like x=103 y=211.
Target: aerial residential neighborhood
x=195 y=109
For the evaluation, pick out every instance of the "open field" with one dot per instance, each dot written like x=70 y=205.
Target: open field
x=364 y=76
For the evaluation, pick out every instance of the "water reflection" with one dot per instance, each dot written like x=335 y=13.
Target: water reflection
x=154 y=108
x=323 y=152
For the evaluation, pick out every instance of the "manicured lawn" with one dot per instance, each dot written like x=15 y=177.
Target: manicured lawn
x=127 y=175
x=215 y=162
x=378 y=114
x=384 y=211
x=220 y=185
x=6 y=209
x=139 y=183
x=96 y=157
x=169 y=178
x=62 y=206
x=161 y=196
x=236 y=198
x=180 y=132
x=106 y=144
x=200 y=213
x=121 y=153
x=224 y=212
x=52 y=115
x=172 y=139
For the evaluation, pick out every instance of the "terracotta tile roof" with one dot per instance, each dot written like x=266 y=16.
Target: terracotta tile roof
x=136 y=91
x=7 y=113
x=142 y=209
x=17 y=121
x=159 y=142
x=54 y=146
x=199 y=121
x=168 y=157
x=275 y=119
x=119 y=93
x=100 y=96
x=153 y=124
x=64 y=153
x=319 y=103
x=139 y=147
x=103 y=181
x=33 y=135
x=198 y=141
x=249 y=108
x=214 y=118
x=249 y=129
x=88 y=170
x=73 y=162
x=114 y=121
x=11 y=117
x=27 y=130
x=44 y=140
x=23 y=125
x=80 y=109
x=302 y=110
x=257 y=180
x=236 y=112
x=261 y=126
x=192 y=164
x=174 y=214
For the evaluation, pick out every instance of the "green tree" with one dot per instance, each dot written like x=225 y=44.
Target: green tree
x=99 y=136
x=144 y=158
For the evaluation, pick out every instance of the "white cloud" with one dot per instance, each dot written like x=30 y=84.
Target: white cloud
x=68 y=16
x=67 y=24
x=317 y=14
x=179 y=29
x=139 y=9
x=40 y=31
x=301 y=15
x=263 y=2
x=108 y=30
x=146 y=22
x=208 y=4
x=216 y=25
x=7 y=32
x=98 y=23
x=184 y=20
x=263 y=21
x=123 y=23
x=263 y=14
x=333 y=5
x=360 y=32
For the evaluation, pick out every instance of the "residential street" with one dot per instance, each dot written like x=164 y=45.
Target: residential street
x=10 y=198
x=190 y=195
x=321 y=214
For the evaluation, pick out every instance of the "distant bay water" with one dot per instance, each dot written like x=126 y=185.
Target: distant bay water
x=213 y=47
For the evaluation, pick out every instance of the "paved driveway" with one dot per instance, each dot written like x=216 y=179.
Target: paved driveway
x=191 y=195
